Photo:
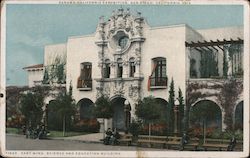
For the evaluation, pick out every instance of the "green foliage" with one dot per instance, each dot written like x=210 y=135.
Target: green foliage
x=209 y=66
x=148 y=110
x=46 y=77
x=87 y=125
x=103 y=108
x=229 y=95
x=31 y=108
x=170 y=107
x=135 y=128
x=63 y=107
x=55 y=72
x=13 y=130
x=204 y=111
x=67 y=134
x=181 y=109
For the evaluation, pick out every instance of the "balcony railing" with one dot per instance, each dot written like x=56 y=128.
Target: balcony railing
x=84 y=84
x=158 y=82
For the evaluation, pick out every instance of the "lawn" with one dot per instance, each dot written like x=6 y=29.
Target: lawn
x=67 y=134
x=13 y=130
x=52 y=133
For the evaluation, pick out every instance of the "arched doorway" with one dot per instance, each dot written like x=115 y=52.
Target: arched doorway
x=162 y=125
x=206 y=113
x=238 y=123
x=86 y=109
x=121 y=117
x=53 y=120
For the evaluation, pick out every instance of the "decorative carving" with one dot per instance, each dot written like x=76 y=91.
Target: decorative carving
x=112 y=64
x=119 y=88
x=133 y=92
x=137 y=51
x=138 y=61
x=125 y=63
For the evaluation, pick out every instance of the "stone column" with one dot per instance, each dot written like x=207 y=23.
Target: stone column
x=125 y=72
x=176 y=112
x=113 y=70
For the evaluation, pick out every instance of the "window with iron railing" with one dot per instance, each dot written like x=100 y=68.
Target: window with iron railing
x=158 y=77
x=85 y=79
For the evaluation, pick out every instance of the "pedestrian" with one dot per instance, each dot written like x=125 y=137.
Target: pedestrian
x=184 y=141
x=232 y=144
x=114 y=138
x=108 y=136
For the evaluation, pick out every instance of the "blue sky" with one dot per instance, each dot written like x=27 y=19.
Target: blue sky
x=31 y=26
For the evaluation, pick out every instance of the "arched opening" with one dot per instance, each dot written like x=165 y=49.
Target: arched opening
x=86 y=109
x=161 y=127
x=119 y=68
x=87 y=121
x=53 y=119
x=238 y=123
x=121 y=117
x=106 y=69
x=132 y=67
x=205 y=115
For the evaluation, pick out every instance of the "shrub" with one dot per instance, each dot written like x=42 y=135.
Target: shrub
x=156 y=129
x=135 y=128
x=87 y=125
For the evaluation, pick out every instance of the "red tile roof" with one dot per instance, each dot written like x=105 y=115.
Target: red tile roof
x=34 y=66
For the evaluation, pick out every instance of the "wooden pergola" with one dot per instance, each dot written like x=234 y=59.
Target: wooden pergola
x=209 y=45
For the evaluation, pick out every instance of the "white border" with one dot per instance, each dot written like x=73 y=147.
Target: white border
x=13 y=153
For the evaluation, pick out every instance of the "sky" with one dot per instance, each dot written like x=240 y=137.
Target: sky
x=29 y=27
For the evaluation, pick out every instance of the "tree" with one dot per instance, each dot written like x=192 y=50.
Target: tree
x=65 y=107
x=181 y=110
x=148 y=110
x=31 y=107
x=170 y=114
x=204 y=112
x=103 y=109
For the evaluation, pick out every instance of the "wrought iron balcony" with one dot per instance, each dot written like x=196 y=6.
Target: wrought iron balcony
x=158 y=82
x=84 y=84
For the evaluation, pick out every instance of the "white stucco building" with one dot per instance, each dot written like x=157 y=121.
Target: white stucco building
x=126 y=59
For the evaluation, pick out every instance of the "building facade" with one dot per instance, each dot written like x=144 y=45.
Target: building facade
x=127 y=60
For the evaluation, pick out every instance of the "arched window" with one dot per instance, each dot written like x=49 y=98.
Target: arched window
x=119 y=68
x=85 y=79
x=131 y=67
x=106 y=69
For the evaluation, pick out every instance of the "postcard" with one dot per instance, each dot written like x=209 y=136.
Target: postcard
x=137 y=78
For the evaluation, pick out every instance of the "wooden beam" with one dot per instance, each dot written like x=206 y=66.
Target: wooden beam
x=197 y=49
x=214 y=43
x=220 y=48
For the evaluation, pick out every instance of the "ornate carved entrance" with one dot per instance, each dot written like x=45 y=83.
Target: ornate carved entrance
x=121 y=116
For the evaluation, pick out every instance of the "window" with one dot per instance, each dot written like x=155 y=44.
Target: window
x=85 y=79
x=106 y=69
x=123 y=42
x=119 y=68
x=131 y=67
x=158 y=76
